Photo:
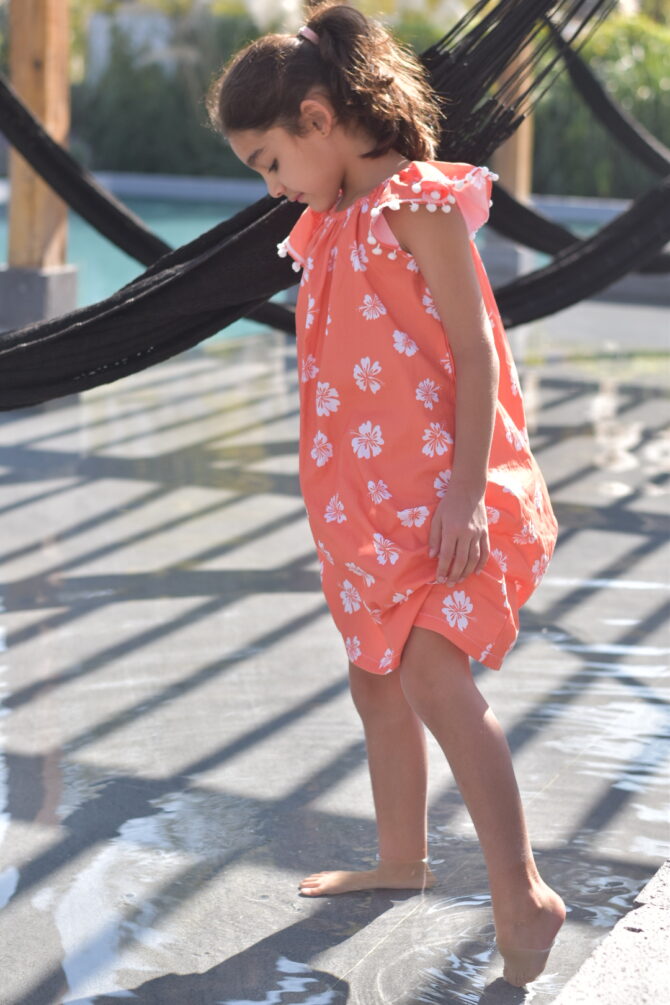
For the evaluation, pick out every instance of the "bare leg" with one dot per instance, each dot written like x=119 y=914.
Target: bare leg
x=396 y=747
x=436 y=679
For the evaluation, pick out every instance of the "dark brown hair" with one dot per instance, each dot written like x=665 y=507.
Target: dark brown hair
x=372 y=81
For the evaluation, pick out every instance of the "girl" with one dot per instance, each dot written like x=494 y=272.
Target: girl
x=430 y=516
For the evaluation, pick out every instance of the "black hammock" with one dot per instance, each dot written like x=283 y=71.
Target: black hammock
x=232 y=270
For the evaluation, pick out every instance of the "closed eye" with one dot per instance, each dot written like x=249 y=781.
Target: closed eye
x=274 y=166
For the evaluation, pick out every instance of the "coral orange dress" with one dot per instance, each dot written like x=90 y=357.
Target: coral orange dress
x=377 y=400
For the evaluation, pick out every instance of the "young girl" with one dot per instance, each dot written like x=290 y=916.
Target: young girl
x=430 y=516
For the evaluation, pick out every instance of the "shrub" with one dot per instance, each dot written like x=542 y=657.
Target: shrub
x=574 y=154
x=141 y=116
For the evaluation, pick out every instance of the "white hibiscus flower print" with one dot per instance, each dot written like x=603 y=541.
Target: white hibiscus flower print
x=331 y=259
x=307 y=271
x=309 y=368
x=353 y=647
x=437 y=440
x=501 y=558
x=492 y=514
x=402 y=343
x=329 y=322
x=457 y=609
x=400 y=598
x=359 y=258
x=335 y=510
x=327 y=398
x=441 y=482
x=415 y=516
x=310 y=313
x=350 y=597
x=386 y=550
x=527 y=535
x=426 y=392
x=485 y=652
x=324 y=551
x=322 y=450
x=366 y=374
x=448 y=363
x=513 y=435
x=412 y=266
x=369 y=441
x=357 y=571
x=372 y=307
x=539 y=569
x=537 y=496
x=378 y=491
x=375 y=613
x=386 y=660
x=429 y=304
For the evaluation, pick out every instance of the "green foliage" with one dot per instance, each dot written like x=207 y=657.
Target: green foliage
x=140 y=116
x=573 y=153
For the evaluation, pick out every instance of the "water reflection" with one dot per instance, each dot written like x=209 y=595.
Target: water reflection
x=295 y=979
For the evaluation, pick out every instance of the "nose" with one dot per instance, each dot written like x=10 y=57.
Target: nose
x=275 y=188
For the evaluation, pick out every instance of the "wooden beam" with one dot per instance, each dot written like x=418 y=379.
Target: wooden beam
x=39 y=57
x=513 y=160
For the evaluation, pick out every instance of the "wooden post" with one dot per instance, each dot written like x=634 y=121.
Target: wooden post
x=39 y=55
x=513 y=161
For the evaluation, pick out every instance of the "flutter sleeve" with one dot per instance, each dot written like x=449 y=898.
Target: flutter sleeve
x=435 y=186
x=298 y=240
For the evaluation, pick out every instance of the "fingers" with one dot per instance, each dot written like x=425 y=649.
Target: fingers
x=460 y=556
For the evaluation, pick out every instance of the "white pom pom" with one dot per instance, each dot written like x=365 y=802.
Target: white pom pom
x=435 y=195
x=372 y=239
x=375 y=212
x=377 y=250
x=296 y=266
x=416 y=187
x=414 y=206
x=431 y=207
x=446 y=208
x=452 y=199
x=460 y=183
x=392 y=255
x=282 y=250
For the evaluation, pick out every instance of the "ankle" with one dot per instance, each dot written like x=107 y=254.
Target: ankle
x=412 y=867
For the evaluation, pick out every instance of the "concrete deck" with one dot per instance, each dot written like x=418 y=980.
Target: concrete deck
x=178 y=745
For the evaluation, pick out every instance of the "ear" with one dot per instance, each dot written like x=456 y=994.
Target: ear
x=316 y=114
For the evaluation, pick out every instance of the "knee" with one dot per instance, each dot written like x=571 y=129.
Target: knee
x=436 y=679
x=377 y=696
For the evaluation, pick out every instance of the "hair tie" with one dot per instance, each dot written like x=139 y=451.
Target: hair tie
x=309 y=34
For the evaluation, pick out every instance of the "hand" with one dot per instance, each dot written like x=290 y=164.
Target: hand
x=459 y=534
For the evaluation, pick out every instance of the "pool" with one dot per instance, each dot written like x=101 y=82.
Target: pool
x=102 y=268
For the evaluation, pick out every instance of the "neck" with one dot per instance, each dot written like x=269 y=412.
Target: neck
x=363 y=173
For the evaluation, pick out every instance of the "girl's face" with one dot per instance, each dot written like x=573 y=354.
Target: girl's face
x=305 y=169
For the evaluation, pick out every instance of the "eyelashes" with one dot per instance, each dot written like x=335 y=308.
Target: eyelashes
x=274 y=166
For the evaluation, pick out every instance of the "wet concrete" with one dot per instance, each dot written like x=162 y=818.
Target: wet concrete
x=177 y=744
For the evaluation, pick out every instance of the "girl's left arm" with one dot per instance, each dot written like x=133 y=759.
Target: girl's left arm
x=440 y=245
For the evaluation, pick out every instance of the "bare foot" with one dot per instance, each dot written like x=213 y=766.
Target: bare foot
x=387 y=875
x=526 y=941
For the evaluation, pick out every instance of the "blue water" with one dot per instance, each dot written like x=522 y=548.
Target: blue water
x=102 y=268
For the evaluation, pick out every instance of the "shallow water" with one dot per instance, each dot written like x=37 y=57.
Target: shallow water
x=177 y=746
